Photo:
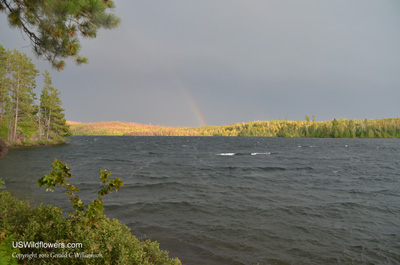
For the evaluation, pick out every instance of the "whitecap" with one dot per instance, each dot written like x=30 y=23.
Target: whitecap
x=254 y=154
x=227 y=154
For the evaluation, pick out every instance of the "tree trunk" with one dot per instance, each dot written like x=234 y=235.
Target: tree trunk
x=40 y=124
x=48 y=125
x=14 y=137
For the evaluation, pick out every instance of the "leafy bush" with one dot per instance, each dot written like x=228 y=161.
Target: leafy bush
x=2 y=183
x=108 y=240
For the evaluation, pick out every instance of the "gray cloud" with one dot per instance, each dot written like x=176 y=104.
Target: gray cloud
x=238 y=60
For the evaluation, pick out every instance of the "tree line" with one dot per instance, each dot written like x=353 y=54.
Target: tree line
x=23 y=116
x=337 y=128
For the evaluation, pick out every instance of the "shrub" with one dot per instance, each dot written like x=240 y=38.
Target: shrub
x=108 y=240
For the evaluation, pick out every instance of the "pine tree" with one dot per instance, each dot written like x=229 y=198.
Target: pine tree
x=3 y=95
x=20 y=118
x=53 y=25
x=51 y=113
x=4 y=64
x=19 y=110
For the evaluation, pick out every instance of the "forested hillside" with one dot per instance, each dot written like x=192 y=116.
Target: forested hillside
x=25 y=118
x=337 y=128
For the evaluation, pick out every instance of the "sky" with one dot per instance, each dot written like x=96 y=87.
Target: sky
x=218 y=62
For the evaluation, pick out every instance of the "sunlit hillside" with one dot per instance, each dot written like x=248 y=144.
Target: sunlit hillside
x=337 y=128
x=111 y=128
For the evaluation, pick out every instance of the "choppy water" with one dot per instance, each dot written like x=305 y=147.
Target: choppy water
x=223 y=200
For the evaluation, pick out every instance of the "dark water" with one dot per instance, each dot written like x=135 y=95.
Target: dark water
x=238 y=200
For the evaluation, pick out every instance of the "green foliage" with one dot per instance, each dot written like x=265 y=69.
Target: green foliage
x=111 y=239
x=2 y=183
x=51 y=116
x=3 y=131
x=21 y=120
x=17 y=95
x=59 y=176
x=383 y=128
x=6 y=249
x=53 y=26
x=97 y=233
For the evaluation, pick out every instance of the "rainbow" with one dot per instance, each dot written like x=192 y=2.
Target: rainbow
x=190 y=100
x=172 y=73
x=185 y=91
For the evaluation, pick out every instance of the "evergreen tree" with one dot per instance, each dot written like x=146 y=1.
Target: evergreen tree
x=3 y=94
x=20 y=118
x=4 y=62
x=19 y=111
x=51 y=114
x=53 y=25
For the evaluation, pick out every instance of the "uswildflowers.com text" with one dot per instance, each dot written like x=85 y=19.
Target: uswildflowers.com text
x=41 y=244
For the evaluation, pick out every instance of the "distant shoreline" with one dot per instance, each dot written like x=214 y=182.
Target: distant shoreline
x=337 y=128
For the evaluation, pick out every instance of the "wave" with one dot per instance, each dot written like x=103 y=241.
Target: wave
x=162 y=207
x=238 y=154
x=157 y=185
x=195 y=246
x=267 y=168
x=283 y=168
x=115 y=160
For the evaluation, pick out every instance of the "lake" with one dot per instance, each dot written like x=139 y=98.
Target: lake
x=250 y=200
